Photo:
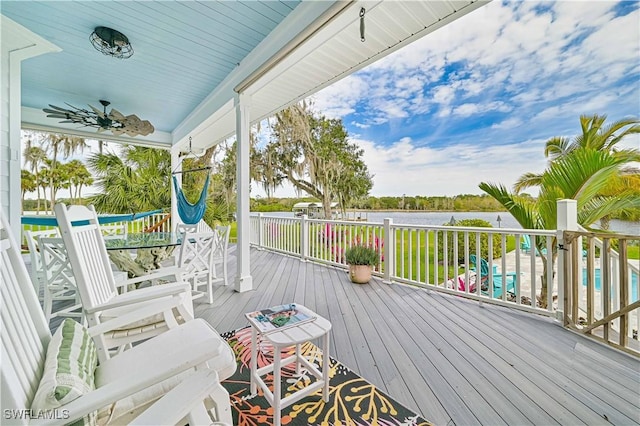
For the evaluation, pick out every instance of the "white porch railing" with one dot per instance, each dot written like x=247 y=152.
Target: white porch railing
x=433 y=257
x=135 y=226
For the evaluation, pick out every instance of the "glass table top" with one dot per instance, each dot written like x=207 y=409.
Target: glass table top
x=142 y=240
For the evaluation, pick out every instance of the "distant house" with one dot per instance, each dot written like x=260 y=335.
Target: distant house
x=314 y=210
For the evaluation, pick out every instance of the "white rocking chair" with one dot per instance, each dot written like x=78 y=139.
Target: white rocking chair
x=165 y=305
x=179 y=362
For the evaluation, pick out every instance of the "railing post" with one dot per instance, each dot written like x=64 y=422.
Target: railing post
x=304 y=238
x=389 y=245
x=260 y=231
x=567 y=220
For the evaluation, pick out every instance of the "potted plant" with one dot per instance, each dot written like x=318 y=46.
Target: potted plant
x=361 y=259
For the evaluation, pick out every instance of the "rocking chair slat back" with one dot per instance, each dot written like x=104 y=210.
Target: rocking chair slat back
x=87 y=253
x=25 y=334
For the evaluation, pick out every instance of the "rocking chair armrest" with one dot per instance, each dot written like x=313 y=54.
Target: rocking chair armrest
x=138 y=314
x=142 y=295
x=181 y=400
x=155 y=372
x=169 y=271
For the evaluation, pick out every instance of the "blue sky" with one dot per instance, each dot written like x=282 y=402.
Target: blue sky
x=476 y=100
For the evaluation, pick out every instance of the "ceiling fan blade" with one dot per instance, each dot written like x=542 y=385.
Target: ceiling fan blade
x=60 y=109
x=114 y=121
x=97 y=111
x=58 y=115
x=116 y=115
x=147 y=128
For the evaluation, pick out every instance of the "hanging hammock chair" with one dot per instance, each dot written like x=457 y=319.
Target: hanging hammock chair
x=191 y=213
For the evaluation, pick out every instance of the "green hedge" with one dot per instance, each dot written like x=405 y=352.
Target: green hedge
x=484 y=241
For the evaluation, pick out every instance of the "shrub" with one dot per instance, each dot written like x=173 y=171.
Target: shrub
x=361 y=255
x=484 y=241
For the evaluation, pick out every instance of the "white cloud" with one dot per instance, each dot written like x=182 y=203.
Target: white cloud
x=491 y=87
x=404 y=167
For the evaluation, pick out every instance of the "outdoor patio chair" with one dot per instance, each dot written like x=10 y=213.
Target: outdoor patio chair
x=178 y=387
x=196 y=261
x=201 y=226
x=525 y=246
x=220 y=256
x=166 y=305
x=33 y=244
x=497 y=278
x=59 y=284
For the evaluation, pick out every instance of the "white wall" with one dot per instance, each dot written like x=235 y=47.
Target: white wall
x=17 y=44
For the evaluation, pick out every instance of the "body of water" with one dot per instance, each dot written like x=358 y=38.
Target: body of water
x=598 y=285
x=440 y=218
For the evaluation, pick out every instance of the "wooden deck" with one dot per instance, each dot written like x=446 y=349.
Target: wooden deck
x=452 y=360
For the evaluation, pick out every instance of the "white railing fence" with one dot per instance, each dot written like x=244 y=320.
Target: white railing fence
x=157 y=221
x=442 y=258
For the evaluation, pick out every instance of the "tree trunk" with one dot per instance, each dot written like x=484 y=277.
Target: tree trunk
x=326 y=205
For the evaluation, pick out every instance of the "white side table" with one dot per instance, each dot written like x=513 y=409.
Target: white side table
x=290 y=336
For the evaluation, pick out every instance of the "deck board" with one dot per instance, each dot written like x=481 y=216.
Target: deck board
x=453 y=360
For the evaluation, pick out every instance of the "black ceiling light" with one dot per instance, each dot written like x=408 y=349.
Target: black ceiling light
x=111 y=42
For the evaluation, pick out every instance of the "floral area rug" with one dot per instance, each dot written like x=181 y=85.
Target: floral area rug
x=352 y=400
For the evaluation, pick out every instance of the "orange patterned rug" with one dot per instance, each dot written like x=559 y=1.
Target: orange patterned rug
x=352 y=400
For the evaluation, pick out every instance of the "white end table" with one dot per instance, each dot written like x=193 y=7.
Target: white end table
x=290 y=336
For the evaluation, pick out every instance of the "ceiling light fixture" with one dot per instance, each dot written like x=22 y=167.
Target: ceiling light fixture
x=111 y=42
x=113 y=121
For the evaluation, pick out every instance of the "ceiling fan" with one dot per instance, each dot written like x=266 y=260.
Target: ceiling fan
x=113 y=121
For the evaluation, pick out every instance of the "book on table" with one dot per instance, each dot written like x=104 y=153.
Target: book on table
x=278 y=318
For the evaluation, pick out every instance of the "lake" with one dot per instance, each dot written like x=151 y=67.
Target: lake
x=440 y=218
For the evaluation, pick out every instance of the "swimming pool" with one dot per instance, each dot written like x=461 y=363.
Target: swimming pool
x=634 y=283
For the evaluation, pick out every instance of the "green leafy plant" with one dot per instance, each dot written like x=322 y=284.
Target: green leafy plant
x=361 y=255
x=484 y=241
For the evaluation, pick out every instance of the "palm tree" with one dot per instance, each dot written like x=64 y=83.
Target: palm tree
x=27 y=184
x=78 y=176
x=135 y=180
x=34 y=157
x=600 y=137
x=69 y=145
x=580 y=174
x=595 y=135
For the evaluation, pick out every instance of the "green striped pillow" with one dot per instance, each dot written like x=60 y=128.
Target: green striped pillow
x=69 y=367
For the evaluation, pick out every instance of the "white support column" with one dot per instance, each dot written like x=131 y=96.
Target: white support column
x=18 y=44
x=244 y=281
x=567 y=220
x=176 y=166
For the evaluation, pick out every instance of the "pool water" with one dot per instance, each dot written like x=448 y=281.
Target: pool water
x=634 y=283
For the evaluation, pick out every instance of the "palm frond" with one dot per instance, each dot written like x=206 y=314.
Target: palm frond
x=527 y=180
x=521 y=208
x=598 y=207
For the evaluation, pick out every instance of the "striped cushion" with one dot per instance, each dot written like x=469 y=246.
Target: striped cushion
x=69 y=367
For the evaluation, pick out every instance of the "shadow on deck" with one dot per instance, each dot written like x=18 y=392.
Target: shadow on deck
x=453 y=360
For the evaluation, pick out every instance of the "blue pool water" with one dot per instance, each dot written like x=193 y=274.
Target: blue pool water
x=634 y=283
